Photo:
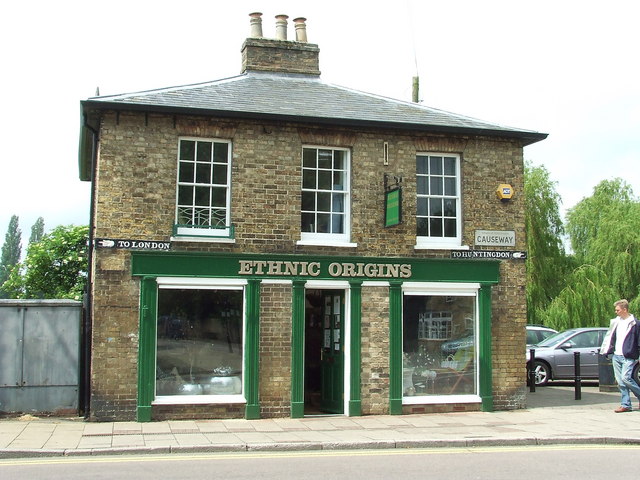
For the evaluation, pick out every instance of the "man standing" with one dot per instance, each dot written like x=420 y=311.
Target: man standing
x=623 y=340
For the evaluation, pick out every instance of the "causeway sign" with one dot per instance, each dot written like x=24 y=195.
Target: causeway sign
x=495 y=238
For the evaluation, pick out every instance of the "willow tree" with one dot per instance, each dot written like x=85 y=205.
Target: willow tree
x=588 y=219
x=547 y=264
x=586 y=301
x=605 y=232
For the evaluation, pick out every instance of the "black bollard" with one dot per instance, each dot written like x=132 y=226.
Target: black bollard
x=578 y=380
x=532 y=370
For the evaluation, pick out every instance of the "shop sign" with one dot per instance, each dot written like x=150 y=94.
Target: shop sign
x=489 y=254
x=495 y=238
x=316 y=269
x=132 y=244
x=480 y=267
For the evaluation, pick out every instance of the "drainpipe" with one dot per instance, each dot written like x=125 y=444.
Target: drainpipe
x=87 y=330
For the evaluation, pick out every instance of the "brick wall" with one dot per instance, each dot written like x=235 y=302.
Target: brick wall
x=115 y=340
x=136 y=199
x=275 y=350
x=264 y=54
x=375 y=351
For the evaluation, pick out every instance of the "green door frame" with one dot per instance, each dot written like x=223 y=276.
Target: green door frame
x=252 y=351
x=147 y=348
x=354 y=297
x=297 y=350
x=485 y=387
x=354 y=294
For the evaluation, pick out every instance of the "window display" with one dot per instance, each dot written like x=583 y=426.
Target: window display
x=199 y=342
x=439 y=345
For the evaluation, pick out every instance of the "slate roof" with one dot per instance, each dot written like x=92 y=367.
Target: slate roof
x=303 y=98
x=300 y=98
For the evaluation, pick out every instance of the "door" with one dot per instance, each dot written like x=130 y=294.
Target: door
x=332 y=352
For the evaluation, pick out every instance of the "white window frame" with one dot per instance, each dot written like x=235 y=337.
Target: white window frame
x=331 y=239
x=199 y=232
x=205 y=284
x=428 y=242
x=447 y=290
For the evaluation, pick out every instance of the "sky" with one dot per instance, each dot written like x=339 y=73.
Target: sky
x=567 y=68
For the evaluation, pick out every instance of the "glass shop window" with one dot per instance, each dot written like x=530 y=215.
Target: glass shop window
x=199 y=342
x=439 y=345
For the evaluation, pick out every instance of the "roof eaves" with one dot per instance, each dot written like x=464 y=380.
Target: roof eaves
x=528 y=137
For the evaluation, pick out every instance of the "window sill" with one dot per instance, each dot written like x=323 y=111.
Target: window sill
x=185 y=238
x=439 y=246
x=197 y=399
x=433 y=399
x=326 y=243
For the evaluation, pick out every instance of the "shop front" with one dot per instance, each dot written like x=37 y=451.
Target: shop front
x=212 y=330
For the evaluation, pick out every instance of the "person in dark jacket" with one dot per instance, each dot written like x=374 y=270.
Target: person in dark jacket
x=623 y=340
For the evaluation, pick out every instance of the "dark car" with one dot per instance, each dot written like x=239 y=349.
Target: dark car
x=554 y=356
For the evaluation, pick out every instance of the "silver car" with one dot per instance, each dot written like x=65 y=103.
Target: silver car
x=554 y=357
x=538 y=333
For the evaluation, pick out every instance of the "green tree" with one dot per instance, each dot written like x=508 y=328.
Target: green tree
x=55 y=267
x=37 y=231
x=585 y=219
x=547 y=263
x=605 y=232
x=586 y=301
x=11 y=251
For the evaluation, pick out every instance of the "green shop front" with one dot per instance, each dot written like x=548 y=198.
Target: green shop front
x=203 y=340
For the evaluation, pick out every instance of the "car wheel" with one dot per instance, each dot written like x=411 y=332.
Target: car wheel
x=542 y=373
x=636 y=373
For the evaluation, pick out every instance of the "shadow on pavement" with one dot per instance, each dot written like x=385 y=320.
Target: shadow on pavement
x=562 y=394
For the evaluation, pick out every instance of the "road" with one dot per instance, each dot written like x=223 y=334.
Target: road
x=495 y=463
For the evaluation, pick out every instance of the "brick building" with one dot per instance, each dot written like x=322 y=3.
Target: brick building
x=271 y=245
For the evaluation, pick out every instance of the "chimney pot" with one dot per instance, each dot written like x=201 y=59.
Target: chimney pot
x=281 y=27
x=301 y=29
x=256 y=25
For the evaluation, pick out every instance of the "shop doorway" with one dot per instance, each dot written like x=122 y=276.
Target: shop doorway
x=324 y=352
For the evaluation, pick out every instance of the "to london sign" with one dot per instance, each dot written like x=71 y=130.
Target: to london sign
x=132 y=244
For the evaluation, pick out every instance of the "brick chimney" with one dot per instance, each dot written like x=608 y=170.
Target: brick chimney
x=279 y=54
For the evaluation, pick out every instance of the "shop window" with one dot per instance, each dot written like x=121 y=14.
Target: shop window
x=325 y=203
x=203 y=196
x=199 y=343
x=439 y=345
x=438 y=212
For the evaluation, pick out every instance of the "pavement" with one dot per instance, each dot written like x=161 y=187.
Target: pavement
x=552 y=416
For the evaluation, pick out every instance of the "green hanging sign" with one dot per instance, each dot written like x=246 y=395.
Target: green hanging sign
x=393 y=207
